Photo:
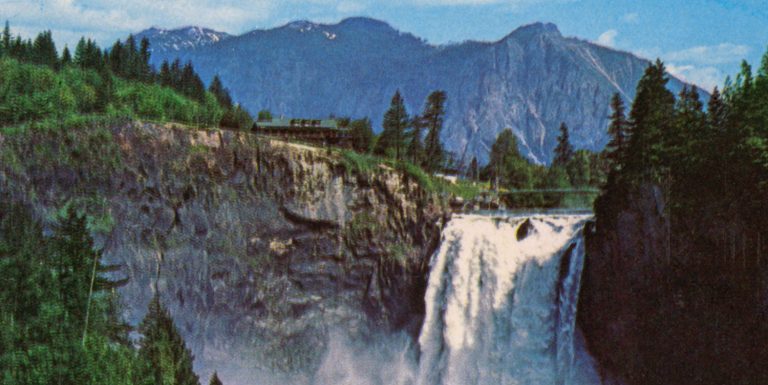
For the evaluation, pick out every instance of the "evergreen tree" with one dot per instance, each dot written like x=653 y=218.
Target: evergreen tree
x=221 y=93
x=433 y=117
x=215 y=379
x=131 y=60
x=617 y=132
x=190 y=83
x=51 y=292
x=237 y=117
x=145 y=70
x=651 y=116
x=164 y=78
x=716 y=110
x=415 y=151
x=362 y=135
x=44 y=50
x=66 y=57
x=395 y=123
x=564 y=150
x=175 y=76
x=506 y=166
x=116 y=59
x=265 y=116
x=474 y=170
x=6 y=42
x=168 y=360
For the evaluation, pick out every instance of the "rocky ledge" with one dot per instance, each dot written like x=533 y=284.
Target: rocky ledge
x=260 y=249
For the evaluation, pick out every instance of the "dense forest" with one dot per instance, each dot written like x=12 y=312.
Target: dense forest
x=60 y=321
x=698 y=305
x=37 y=84
x=60 y=317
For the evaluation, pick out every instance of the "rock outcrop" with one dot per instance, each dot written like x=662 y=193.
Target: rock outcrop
x=259 y=248
x=672 y=307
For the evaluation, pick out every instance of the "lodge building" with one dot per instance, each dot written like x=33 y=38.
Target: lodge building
x=324 y=132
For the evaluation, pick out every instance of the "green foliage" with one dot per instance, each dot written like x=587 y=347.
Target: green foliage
x=506 y=166
x=415 y=150
x=362 y=135
x=396 y=121
x=360 y=163
x=167 y=359
x=651 y=117
x=564 y=150
x=215 y=379
x=35 y=84
x=237 y=117
x=714 y=159
x=617 y=131
x=57 y=320
x=221 y=93
x=265 y=115
x=432 y=119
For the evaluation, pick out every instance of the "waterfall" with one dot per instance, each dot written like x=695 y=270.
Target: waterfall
x=501 y=303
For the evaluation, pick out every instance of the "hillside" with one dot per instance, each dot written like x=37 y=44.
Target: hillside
x=260 y=249
x=530 y=80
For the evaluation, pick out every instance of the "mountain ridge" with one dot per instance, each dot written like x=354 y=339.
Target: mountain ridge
x=529 y=80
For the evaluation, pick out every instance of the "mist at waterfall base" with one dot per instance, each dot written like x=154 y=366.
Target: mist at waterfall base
x=500 y=309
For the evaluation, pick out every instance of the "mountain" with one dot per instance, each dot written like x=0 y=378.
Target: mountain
x=187 y=38
x=530 y=80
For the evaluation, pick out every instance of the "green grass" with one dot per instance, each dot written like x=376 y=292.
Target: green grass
x=366 y=164
x=360 y=163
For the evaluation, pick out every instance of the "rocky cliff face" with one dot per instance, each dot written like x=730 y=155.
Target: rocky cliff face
x=688 y=311
x=260 y=249
x=529 y=81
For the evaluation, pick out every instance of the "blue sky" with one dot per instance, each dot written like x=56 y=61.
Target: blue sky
x=700 y=40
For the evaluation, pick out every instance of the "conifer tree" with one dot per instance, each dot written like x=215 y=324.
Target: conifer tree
x=215 y=379
x=145 y=70
x=395 y=123
x=362 y=134
x=190 y=83
x=116 y=58
x=617 y=131
x=168 y=360
x=415 y=151
x=506 y=166
x=6 y=42
x=66 y=57
x=44 y=50
x=221 y=93
x=473 y=169
x=651 y=116
x=433 y=117
x=716 y=111
x=564 y=150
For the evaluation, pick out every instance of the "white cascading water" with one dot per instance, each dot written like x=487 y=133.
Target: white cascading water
x=499 y=310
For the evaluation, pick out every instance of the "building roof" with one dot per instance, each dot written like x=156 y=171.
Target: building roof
x=298 y=123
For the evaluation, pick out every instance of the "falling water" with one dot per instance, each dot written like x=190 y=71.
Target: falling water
x=501 y=303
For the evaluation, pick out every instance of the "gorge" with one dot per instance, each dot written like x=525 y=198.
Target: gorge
x=281 y=262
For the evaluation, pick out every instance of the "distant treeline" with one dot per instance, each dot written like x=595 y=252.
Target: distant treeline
x=38 y=83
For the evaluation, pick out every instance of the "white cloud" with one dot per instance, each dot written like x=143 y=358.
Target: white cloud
x=608 y=38
x=703 y=77
x=110 y=19
x=631 y=18
x=713 y=54
x=349 y=7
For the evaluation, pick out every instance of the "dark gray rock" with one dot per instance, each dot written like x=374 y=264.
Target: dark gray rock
x=258 y=248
